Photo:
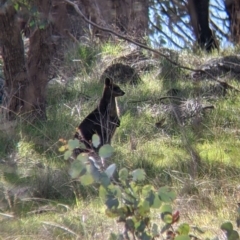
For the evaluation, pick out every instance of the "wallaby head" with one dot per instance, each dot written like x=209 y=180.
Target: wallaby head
x=113 y=89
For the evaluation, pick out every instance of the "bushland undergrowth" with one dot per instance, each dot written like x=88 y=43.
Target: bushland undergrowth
x=197 y=157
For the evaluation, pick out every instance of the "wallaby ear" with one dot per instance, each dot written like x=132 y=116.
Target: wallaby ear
x=108 y=82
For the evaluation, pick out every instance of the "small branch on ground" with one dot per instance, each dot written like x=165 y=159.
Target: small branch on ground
x=158 y=99
x=75 y=6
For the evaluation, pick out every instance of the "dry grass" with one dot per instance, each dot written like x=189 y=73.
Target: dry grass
x=199 y=159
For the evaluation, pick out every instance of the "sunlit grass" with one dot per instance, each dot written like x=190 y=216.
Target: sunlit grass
x=68 y=210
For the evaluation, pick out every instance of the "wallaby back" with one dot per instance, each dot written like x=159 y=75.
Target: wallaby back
x=104 y=119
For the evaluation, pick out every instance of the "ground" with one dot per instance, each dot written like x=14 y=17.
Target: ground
x=196 y=155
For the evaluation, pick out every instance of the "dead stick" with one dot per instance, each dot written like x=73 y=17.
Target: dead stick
x=75 y=6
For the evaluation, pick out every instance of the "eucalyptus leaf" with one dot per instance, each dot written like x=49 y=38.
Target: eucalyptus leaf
x=87 y=179
x=227 y=226
x=83 y=157
x=110 y=170
x=73 y=143
x=94 y=171
x=167 y=217
x=182 y=237
x=166 y=194
x=67 y=154
x=233 y=235
x=166 y=208
x=138 y=175
x=123 y=174
x=95 y=140
x=112 y=202
x=156 y=202
x=183 y=229
x=106 y=151
x=104 y=179
x=103 y=193
x=77 y=169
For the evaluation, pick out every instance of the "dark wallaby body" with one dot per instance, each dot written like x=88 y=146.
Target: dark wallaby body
x=104 y=119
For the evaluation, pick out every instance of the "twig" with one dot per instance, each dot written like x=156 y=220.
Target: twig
x=75 y=6
x=62 y=227
x=7 y=215
x=158 y=99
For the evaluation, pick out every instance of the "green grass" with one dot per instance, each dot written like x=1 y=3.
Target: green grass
x=58 y=208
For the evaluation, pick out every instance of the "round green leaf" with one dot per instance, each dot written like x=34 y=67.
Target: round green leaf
x=182 y=237
x=95 y=140
x=106 y=151
x=73 y=143
x=156 y=203
x=138 y=175
x=233 y=235
x=83 y=157
x=94 y=171
x=150 y=198
x=166 y=208
x=110 y=170
x=183 y=229
x=67 y=154
x=87 y=179
x=143 y=208
x=146 y=190
x=103 y=193
x=166 y=194
x=104 y=180
x=227 y=226
x=167 y=217
x=77 y=169
x=115 y=190
x=123 y=174
x=112 y=202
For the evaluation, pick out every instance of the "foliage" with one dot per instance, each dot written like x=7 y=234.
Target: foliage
x=111 y=49
x=138 y=144
x=130 y=199
x=170 y=23
x=28 y=11
x=87 y=55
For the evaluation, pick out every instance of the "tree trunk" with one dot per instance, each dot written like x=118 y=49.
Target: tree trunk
x=26 y=81
x=233 y=11
x=129 y=17
x=199 y=15
x=41 y=50
x=40 y=53
x=132 y=18
x=14 y=67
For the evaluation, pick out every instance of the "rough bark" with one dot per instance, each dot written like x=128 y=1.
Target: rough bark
x=39 y=59
x=233 y=11
x=127 y=16
x=66 y=22
x=41 y=49
x=14 y=68
x=26 y=80
x=199 y=15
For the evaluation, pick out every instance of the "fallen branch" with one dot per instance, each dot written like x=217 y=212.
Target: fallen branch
x=158 y=99
x=62 y=227
x=79 y=12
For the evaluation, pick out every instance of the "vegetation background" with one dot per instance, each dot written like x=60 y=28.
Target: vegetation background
x=180 y=123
